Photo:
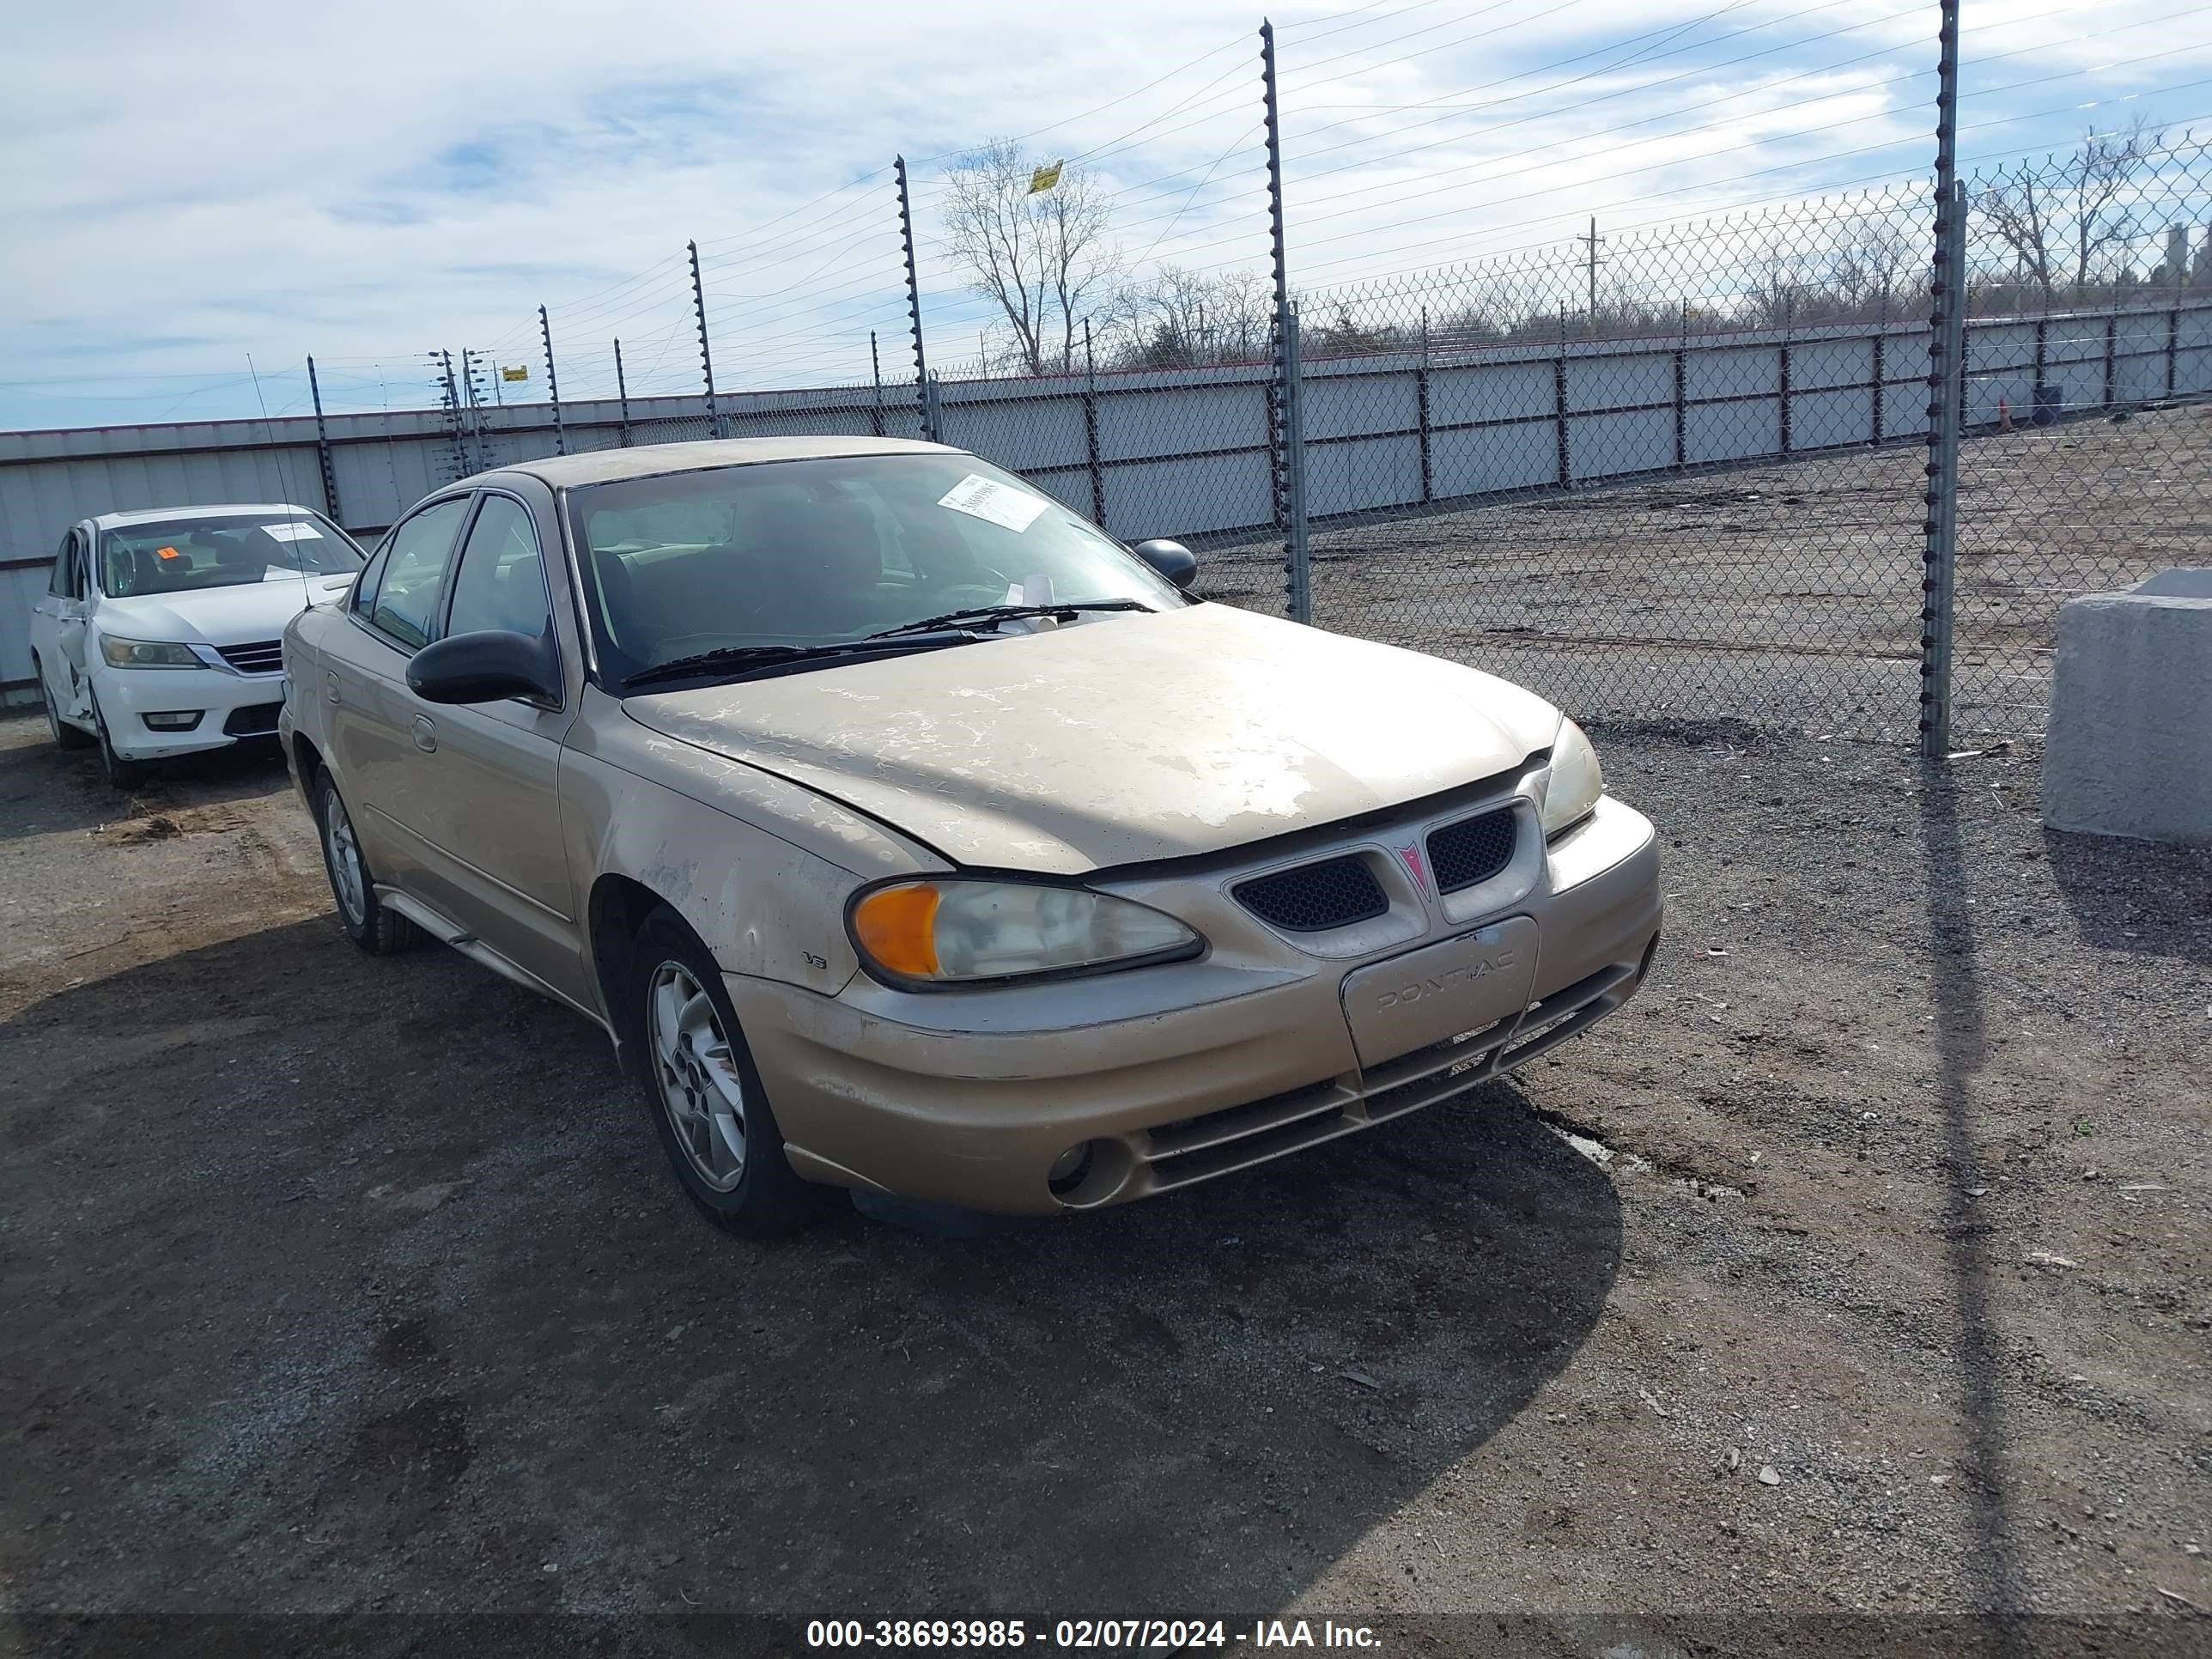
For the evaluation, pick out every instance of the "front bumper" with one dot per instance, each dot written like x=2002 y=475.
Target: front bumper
x=232 y=707
x=1177 y=1073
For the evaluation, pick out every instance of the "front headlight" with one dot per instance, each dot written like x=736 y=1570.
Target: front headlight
x=1577 y=781
x=146 y=654
x=951 y=931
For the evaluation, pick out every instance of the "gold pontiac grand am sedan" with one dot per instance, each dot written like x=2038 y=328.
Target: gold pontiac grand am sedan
x=908 y=834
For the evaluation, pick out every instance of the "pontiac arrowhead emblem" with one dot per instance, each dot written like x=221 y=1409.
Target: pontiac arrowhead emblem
x=1411 y=858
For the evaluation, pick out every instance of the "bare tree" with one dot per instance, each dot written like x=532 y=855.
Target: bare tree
x=1039 y=254
x=1174 y=318
x=1868 y=263
x=2074 y=218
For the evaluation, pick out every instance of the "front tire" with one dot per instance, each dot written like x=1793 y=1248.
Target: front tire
x=122 y=772
x=64 y=735
x=367 y=922
x=704 y=1091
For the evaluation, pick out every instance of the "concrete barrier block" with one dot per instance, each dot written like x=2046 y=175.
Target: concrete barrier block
x=2130 y=748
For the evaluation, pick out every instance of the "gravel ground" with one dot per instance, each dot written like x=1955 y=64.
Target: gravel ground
x=1787 y=594
x=1859 y=1269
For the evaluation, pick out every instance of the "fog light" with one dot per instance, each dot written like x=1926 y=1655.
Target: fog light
x=1069 y=1168
x=173 y=719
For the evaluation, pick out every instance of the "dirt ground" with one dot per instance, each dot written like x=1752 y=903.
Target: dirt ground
x=1860 y=1271
x=1789 y=595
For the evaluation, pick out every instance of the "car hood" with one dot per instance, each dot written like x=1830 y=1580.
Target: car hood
x=1120 y=740
x=243 y=614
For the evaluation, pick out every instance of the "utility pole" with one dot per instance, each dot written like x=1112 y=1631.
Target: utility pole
x=1592 y=261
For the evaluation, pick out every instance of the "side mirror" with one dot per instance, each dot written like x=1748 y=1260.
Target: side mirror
x=1171 y=559
x=485 y=667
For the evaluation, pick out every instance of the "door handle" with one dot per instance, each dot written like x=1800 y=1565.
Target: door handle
x=426 y=735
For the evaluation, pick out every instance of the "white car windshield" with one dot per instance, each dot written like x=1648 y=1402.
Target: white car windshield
x=816 y=553
x=185 y=554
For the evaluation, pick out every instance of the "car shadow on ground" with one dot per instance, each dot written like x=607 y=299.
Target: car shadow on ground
x=388 y=1276
x=2142 y=897
x=48 y=791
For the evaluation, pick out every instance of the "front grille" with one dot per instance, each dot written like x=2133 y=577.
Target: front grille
x=1473 y=850
x=255 y=719
x=1313 y=897
x=260 y=657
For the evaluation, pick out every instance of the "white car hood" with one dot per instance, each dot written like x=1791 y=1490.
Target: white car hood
x=246 y=614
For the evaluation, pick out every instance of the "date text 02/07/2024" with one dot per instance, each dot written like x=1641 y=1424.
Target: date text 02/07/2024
x=1171 y=1635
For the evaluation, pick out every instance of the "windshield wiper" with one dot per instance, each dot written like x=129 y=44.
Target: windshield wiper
x=996 y=613
x=742 y=660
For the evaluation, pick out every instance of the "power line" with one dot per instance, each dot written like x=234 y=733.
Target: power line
x=1787 y=166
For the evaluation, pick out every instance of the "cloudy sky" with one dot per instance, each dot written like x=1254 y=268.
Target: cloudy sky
x=192 y=192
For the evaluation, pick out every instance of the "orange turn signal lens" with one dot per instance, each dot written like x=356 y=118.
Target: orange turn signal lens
x=897 y=926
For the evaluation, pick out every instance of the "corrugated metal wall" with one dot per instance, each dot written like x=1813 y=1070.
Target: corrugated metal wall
x=1174 y=453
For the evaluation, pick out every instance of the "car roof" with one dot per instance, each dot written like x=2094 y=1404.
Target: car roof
x=653 y=460
x=221 y=510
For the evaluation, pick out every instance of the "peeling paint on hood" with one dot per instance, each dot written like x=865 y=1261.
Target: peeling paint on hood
x=1120 y=740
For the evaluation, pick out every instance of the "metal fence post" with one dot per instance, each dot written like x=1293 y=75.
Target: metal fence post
x=1421 y=397
x=876 y=370
x=1090 y=430
x=1788 y=322
x=469 y=360
x=1299 y=588
x=621 y=395
x=2172 y=340
x=705 y=354
x=1947 y=394
x=323 y=449
x=450 y=396
x=922 y=381
x=1288 y=429
x=1878 y=425
x=2111 y=357
x=1559 y=411
x=552 y=384
x=1947 y=291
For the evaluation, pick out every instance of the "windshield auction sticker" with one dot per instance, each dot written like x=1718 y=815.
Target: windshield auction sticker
x=980 y=497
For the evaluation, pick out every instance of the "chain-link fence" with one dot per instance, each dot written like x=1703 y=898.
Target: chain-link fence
x=2087 y=462
x=1672 y=469
x=1673 y=472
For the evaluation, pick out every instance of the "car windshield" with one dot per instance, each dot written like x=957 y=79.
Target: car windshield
x=182 y=555
x=819 y=553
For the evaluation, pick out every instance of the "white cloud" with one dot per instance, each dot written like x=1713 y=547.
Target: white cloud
x=186 y=185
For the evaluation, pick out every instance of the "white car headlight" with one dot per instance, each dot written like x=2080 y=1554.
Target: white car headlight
x=146 y=654
x=951 y=931
x=1577 y=780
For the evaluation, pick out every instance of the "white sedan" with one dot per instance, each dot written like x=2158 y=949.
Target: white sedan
x=160 y=632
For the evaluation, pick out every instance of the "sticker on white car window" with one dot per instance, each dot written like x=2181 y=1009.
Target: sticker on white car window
x=984 y=498
x=291 y=532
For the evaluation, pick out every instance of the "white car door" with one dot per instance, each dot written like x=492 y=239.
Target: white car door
x=57 y=622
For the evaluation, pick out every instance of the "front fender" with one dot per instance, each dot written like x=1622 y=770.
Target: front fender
x=759 y=867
